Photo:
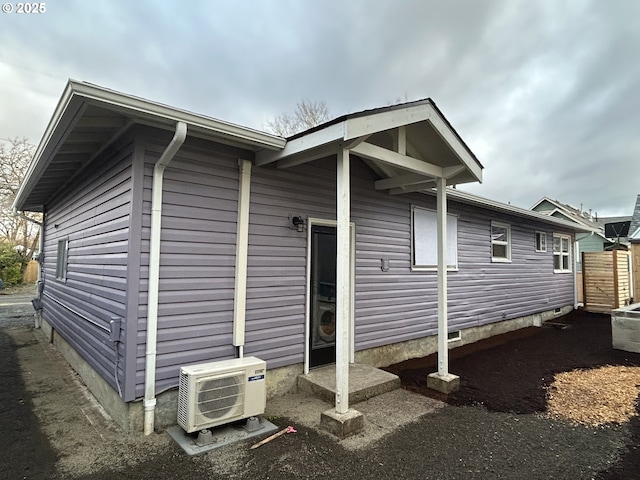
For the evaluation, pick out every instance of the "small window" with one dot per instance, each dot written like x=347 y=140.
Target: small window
x=561 y=253
x=424 y=241
x=61 y=262
x=541 y=242
x=454 y=336
x=500 y=242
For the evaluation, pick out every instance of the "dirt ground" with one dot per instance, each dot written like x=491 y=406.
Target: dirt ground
x=512 y=373
x=494 y=427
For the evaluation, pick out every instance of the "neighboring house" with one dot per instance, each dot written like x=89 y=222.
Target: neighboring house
x=172 y=239
x=634 y=227
x=595 y=241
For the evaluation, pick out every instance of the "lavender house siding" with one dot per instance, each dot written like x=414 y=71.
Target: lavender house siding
x=93 y=214
x=392 y=306
x=197 y=265
x=277 y=257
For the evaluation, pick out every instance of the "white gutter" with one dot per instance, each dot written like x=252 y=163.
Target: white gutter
x=154 y=275
x=242 y=248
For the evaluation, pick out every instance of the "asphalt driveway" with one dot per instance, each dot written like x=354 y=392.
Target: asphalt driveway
x=52 y=428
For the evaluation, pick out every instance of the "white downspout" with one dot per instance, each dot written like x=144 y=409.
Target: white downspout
x=154 y=275
x=242 y=248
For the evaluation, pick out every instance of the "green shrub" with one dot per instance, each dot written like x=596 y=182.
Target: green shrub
x=12 y=264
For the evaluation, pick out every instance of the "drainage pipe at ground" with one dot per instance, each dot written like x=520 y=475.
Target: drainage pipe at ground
x=154 y=275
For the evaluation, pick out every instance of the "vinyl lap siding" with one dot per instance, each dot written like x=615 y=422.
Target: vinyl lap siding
x=277 y=257
x=197 y=266
x=404 y=306
x=93 y=214
x=392 y=306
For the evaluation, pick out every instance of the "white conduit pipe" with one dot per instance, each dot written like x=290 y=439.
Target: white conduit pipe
x=154 y=275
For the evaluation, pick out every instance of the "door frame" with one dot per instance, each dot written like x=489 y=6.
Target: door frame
x=352 y=264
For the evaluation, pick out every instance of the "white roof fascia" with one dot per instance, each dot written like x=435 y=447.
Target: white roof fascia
x=376 y=122
x=141 y=105
x=544 y=199
x=37 y=165
x=304 y=143
x=472 y=199
x=129 y=105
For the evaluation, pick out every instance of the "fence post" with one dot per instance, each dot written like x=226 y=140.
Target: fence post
x=616 y=293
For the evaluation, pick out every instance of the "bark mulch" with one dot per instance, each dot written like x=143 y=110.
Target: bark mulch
x=550 y=371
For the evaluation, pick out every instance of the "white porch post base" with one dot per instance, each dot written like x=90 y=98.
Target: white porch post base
x=446 y=383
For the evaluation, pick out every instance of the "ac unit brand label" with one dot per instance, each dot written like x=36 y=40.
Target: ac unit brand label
x=254 y=378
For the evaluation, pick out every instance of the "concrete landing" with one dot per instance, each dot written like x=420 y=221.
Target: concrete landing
x=365 y=382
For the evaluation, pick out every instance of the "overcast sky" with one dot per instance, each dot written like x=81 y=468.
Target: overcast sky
x=546 y=93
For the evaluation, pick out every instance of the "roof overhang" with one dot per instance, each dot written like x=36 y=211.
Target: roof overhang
x=471 y=199
x=88 y=118
x=409 y=146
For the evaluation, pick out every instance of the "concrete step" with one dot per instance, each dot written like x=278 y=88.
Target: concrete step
x=365 y=382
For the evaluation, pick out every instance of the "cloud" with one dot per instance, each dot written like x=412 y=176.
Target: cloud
x=545 y=92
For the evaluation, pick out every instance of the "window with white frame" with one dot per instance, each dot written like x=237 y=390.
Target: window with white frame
x=62 y=259
x=541 y=242
x=424 y=247
x=561 y=253
x=500 y=242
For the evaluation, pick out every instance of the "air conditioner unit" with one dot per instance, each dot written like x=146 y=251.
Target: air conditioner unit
x=216 y=393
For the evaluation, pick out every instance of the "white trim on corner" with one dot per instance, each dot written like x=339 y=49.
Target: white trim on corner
x=307 y=321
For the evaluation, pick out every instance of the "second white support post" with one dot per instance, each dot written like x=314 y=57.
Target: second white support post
x=441 y=207
x=343 y=280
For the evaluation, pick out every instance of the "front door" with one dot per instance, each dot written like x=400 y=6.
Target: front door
x=322 y=335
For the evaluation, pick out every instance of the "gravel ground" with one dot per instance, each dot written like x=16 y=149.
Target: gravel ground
x=53 y=429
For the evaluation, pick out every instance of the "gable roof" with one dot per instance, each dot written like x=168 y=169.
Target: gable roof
x=88 y=118
x=635 y=220
x=569 y=211
x=408 y=145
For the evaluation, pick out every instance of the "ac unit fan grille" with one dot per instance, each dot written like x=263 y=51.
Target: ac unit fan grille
x=217 y=397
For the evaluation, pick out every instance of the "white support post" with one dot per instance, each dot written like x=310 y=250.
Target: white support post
x=343 y=281
x=443 y=349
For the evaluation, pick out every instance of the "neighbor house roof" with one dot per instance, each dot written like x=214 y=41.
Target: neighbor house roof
x=552 y=207
x=88 y=118
x=476 y=200
x=635 y=221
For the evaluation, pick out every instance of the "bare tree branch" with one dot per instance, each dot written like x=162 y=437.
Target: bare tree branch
x=308 y=114
x=15 y=157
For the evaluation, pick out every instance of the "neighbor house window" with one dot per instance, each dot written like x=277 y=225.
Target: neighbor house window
x=61 y=262
x=500 y=242
x=541 y=242
x=424 y=239
x=561 y=253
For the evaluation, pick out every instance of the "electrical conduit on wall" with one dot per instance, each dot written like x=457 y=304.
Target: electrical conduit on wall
x=154 y=275
x=242 y=245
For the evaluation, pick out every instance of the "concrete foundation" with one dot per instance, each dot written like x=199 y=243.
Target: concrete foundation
x=365 y=382
x=625 y=328
x=443 y=383
x=342 y=425
x=280 y=381
x=421 y=347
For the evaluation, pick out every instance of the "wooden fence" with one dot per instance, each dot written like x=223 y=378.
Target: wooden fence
x=605 y=277
x=31 y=272
x=635 y=262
